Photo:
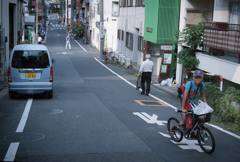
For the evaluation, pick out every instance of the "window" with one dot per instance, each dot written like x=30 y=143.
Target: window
x=30 y=59
x=115 y=9
x=140 y=3
x=195 y=16
x=129 y=40
x=123 y=3
x=129 y=3
x=122 y=35
x=93 y=12
x=118 y=34
x=140 y=44
x=98 y=9
x=234 y=9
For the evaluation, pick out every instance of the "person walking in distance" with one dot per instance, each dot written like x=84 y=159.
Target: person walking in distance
x=68 y=42
x=146 y=69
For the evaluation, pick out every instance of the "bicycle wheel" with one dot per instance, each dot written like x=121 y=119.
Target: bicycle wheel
x=175 y=133
x=206 y=140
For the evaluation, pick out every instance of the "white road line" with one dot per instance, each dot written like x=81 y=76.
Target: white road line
x=80 y=45
x=12 y=150
x=23 y=120
x=219 y=128
x=11 y=153
x=225 y=131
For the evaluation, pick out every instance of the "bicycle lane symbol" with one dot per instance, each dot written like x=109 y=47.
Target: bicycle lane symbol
x=184 y=144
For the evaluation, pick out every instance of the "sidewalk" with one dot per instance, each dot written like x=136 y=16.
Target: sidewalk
x=3 y=81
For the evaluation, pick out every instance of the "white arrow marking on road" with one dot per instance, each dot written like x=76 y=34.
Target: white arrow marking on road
x=185 y=144
x=150 y=119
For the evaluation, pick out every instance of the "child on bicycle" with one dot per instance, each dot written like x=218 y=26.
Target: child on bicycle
x=190 y=95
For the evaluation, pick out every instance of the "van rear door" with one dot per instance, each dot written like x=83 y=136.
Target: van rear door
x=30 y=65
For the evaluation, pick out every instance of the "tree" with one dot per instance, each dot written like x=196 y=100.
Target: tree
x=192 y=38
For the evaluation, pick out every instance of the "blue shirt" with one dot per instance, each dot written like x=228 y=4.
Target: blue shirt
x=193 y=90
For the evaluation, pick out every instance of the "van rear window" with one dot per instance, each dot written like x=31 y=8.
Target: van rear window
x=30 y=59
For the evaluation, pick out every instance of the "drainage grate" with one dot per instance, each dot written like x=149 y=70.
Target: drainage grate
x=24 y=137
x=51 y=111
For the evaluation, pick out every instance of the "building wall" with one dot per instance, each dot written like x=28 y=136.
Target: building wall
x=131 y=19
x=5 y=24
x=228 y=70
x=110 y=25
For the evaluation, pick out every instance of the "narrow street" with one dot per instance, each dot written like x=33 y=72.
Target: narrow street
x=96 y=114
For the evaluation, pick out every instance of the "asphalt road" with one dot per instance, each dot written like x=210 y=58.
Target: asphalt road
x=95 y=115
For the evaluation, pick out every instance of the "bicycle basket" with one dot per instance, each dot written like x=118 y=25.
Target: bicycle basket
x=203 y=118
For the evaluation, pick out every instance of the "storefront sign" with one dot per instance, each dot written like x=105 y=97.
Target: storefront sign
x=166 y=47
x=167 y=58
x=164 y=69
x=149 y=30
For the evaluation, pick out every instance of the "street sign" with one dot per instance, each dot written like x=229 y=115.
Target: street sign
x=98 y=24
x=101 y=30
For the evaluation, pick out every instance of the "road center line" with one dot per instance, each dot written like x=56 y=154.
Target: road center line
x=23 y=120
x=216 y=127
x=12 y=150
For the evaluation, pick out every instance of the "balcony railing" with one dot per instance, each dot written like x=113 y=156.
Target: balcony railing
x=222 y=39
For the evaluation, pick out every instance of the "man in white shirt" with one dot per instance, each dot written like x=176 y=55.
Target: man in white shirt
x=146 y=69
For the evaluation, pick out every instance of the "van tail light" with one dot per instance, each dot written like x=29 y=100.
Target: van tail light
x=9 y=75
x=51 y=75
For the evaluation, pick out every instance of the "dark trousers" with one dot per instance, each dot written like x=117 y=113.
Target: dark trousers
x=146 y=77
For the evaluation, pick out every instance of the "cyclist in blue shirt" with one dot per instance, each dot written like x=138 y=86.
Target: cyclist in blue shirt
x=194 y=87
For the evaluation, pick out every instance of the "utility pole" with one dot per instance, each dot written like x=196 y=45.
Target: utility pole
x=72 y=13
x=67 y=12
x=101 y=30
x=36 y=35
x=64 y=10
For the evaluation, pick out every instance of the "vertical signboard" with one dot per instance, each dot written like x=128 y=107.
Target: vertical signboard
x=102 y=31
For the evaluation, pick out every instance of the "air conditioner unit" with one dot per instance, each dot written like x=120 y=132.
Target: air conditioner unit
x=122 y=60
x=119 y=56
x=127 y=62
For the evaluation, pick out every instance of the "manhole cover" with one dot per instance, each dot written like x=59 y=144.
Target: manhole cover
x=24 y=137
x=51 y=111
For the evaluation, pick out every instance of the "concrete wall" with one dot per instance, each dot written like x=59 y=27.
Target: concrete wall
x=228 y=70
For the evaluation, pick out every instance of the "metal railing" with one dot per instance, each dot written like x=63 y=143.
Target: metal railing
x=222 y=38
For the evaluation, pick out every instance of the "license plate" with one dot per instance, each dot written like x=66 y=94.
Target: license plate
x=30 y=75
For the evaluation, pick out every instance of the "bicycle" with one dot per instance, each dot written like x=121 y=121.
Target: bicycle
x=204 y=136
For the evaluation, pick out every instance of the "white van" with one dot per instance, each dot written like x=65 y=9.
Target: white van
x=30 y=70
